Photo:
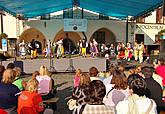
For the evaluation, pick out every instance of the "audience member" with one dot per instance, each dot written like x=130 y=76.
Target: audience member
x=9 y=92
x=154 y=89
x=95 y=103
x=93 y=73
x=45 y=83
x=10 y=65
x=137 y=102
x=35 y=74
x=118 y=91
x=160 y=70
x=21 y=84
x=30 y=102
x=77 y=77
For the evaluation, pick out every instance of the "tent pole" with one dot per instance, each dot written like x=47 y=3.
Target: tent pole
x=127 y=30
x=1 y=24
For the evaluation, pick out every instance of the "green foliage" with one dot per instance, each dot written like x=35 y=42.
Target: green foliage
x=3 y=35
x=160 y=33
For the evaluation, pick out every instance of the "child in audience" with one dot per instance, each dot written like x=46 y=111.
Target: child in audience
x=30 y=102
x=77 y=77
x=45 y=84
x=21 y=84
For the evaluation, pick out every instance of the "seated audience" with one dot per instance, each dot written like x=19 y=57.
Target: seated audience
x=45 y=84
x=137 y=102
x=21 y=84
x=9 y=92
x=95 y=103
x=30 y=102
x=160 y=70
x=93 y=73
x=77 y=77
x=119 y=91
x=154 y=90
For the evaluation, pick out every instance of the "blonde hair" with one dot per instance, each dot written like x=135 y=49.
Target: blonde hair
x=17 y=70
x=8 y=76
x=84 y=80
x=78 y=71
x=32 y=85
x=43 y=70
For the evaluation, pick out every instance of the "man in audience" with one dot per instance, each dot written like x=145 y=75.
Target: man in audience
x=154 y=90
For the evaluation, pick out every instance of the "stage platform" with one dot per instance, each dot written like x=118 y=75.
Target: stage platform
x=59 y=65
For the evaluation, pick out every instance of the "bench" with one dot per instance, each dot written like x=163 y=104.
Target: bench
x=51 y=100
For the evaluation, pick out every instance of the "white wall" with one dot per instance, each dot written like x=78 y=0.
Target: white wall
x=54 y=26
x=9 y=26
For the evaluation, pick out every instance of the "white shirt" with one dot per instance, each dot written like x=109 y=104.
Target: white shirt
x=143 y=105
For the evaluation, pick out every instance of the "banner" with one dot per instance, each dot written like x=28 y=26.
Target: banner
x=75 y=25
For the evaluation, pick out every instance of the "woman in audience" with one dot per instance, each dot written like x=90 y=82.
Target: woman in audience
x=30 y=102
x=118 y=92
x=93 y=73
x=94 y=100
x=80 y=92
x=137 y=103
x=9 y=92
x=45 y=84
x=21 y=84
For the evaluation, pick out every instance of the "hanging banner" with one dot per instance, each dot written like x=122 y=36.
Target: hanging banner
x=76 y=25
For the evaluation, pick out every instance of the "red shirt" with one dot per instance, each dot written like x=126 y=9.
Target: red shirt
x=160 y=70
x=2 y=111
x=30 y=103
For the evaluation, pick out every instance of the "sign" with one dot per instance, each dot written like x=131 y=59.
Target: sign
x=158 y=27
x=4 y=44
x=75 y=25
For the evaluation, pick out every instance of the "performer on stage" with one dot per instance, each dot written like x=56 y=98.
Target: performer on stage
x=33 y=49
x=84 y=45
x=60 y=48
x=128 y=52
x=135 y=49
x=112 y=52
x=23 y=49
x=80 y=50
x=48 y=49
x=95 y=46
x=120 y=51
x=141 y=50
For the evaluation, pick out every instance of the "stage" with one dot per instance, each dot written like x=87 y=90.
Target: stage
x=28 y=66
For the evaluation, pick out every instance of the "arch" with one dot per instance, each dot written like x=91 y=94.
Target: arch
x=108 y=36
x=33 y=33
x=71 y=38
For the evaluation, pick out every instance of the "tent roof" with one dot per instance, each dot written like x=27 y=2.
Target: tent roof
x=114 y=8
